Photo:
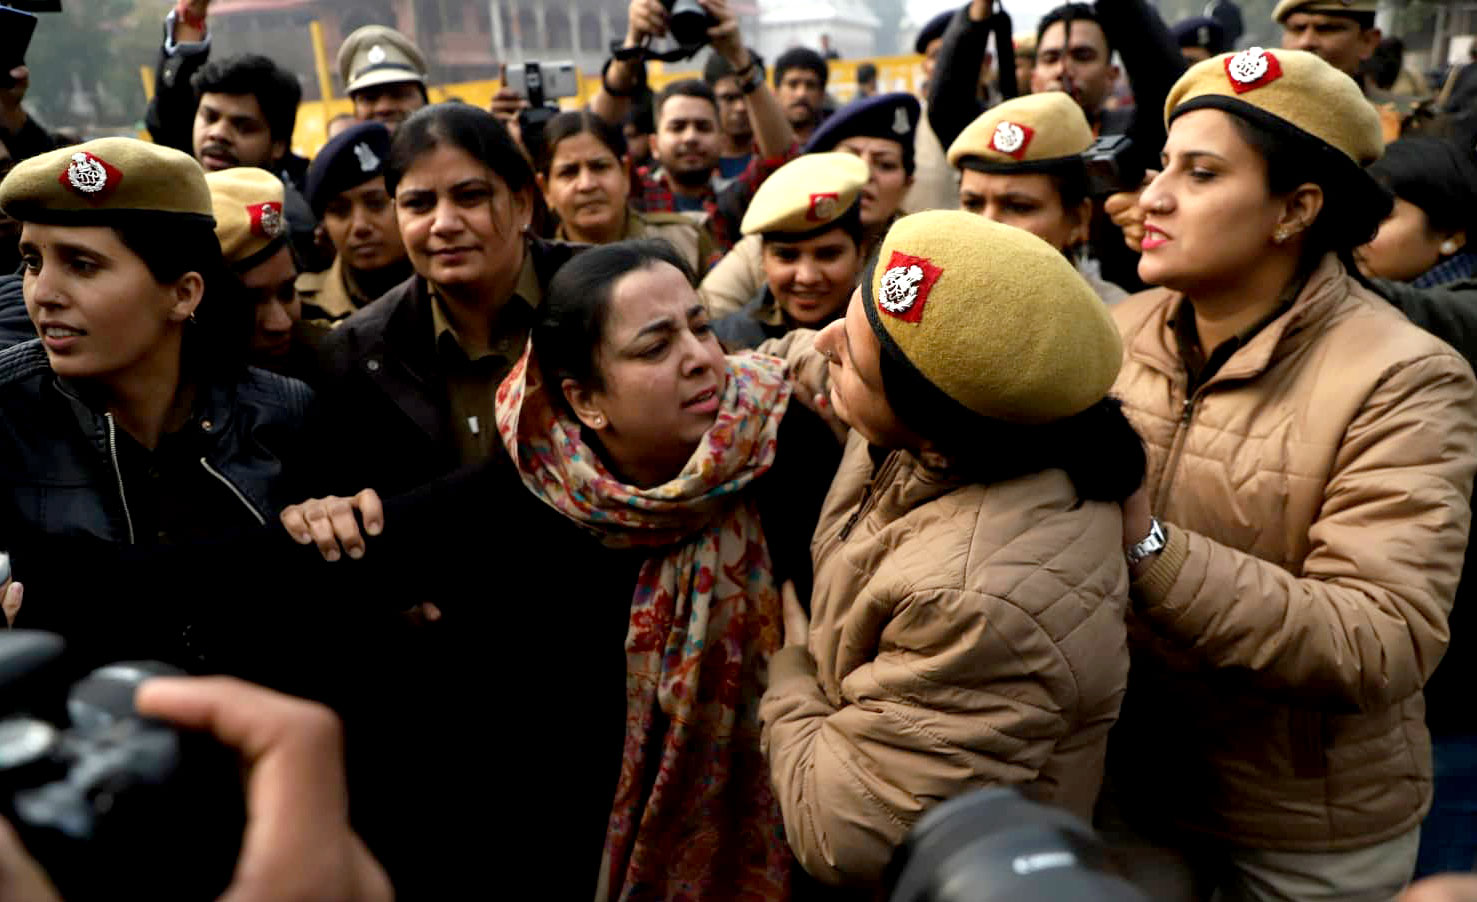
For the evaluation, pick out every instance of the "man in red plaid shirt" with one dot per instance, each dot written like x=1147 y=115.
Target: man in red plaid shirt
x=687 y=142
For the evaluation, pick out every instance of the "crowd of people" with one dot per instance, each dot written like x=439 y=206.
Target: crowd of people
x=679 y=497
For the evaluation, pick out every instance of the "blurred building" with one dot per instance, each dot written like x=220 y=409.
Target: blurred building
x=851 y=25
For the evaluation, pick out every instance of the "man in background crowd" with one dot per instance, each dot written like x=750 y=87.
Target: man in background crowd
x=384 y=73
x=1342 y=32
x=866 y=80
x=800 y=78
x=687 y=143
x=735 y=131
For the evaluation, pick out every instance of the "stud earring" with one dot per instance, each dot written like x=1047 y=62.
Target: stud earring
x=1281 y=236
x=1448 y=247
x=599 y=421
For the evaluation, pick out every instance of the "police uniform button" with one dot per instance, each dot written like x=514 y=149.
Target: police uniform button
x=373 y=366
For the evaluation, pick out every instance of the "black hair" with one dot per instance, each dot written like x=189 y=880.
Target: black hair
x=801 y=58
x=579 y=122
x=687 y=87
x=276 y=90
x=1069 y=13
x=477 y=132
x=217 y=340
x=1435 y=174
x=718 y=67
x=1354 y=204
x=576 y=307
x=1098 y=447
x=850 y=223
x=1384 y=65
x=866 y=72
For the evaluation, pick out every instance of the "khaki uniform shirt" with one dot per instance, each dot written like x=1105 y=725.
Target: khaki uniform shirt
x=473 y=374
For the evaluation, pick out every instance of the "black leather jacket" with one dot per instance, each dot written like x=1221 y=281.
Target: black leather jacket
x=61 y=464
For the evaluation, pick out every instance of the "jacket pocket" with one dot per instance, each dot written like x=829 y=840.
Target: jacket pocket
x=1306 y=729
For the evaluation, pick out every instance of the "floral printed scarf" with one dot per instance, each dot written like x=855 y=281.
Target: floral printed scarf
x=694 y=816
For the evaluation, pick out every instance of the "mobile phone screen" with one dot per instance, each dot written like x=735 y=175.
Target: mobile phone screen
x=16 y=28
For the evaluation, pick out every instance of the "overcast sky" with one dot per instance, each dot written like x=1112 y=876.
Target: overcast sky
x=1023 y=13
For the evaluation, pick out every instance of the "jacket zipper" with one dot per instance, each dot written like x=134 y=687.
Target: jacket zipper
x=118 y=472
x=869 y=495
x=1176 y=448
x=234 y=491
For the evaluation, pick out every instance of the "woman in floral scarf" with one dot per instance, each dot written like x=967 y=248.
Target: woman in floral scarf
x=673 y=493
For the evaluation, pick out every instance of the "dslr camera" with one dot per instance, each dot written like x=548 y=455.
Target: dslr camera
x=994 y=845
x=688 y=22
x=110 y=803
x=1113 y=166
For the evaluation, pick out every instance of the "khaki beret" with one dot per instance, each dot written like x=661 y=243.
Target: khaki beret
x=992 y=316
x=807 y=195
x=1029 y=130
x=376 y=55
x=1325 y=7
x=1286 y=89
x=101 y=181
x=249 y=217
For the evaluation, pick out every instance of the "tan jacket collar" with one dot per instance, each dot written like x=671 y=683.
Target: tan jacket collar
x=1154 y=345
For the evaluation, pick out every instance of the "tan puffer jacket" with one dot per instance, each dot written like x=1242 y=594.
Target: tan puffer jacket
x=962 y=636
x=1317 y=494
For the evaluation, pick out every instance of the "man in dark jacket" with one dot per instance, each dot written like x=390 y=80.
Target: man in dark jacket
x=240 y=111
x=1074 y=52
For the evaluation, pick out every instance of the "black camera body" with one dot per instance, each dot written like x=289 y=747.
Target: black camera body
x=1113 y=166
x=995 y=845
x=688 y=22
x=111 y=803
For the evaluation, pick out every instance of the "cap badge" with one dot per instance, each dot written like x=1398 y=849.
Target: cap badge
x=906 y=285
x=266 y=219
x=376 y=55
x=368 y=161
x=900 y=124
x=89 y=176
x=1251 y=69
x=823 y=207
x=1012 y=139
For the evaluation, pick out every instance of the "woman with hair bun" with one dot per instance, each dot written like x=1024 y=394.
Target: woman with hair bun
x=1298 y=541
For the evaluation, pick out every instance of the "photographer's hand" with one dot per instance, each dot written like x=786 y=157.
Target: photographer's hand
x=298 y=843
x=11 y=595
x=21 y=877
x=13 y=116
x=1123 y=208
x=725 y=37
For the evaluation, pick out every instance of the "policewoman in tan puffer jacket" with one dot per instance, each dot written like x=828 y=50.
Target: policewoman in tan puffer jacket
x=1311 y=457
x=970 y=582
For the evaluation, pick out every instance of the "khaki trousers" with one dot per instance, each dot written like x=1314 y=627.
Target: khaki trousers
x=1208 y=872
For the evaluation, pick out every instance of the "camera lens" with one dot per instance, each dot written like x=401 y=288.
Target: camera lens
x=689 y=23
x=24 y=743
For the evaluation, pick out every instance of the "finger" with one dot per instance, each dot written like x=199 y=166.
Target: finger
x=321 y=526
x=788 y=593
x=14 y=595
x=432 y=613
x=371 y=511
x=21 y=877
x=1117 y=203
x=346 y=527
x=295 y=521
x=20 y=73
x=294 y=748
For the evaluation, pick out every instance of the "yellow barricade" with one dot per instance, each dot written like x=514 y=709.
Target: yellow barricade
x=894 y=73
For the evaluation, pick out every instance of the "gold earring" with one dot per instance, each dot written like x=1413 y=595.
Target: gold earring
x=599 y=421
x=1281 y=236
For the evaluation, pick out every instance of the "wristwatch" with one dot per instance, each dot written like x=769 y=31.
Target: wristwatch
x=1153 y=543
